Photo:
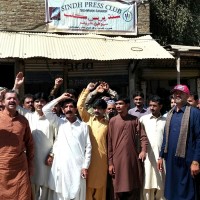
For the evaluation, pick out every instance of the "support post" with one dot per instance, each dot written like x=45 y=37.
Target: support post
x=131 y=81
x=178 y=67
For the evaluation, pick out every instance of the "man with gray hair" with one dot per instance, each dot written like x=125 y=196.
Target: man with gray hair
x=181 y=148
x=111 y=109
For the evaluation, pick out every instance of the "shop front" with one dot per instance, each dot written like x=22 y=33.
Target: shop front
x=78 y=59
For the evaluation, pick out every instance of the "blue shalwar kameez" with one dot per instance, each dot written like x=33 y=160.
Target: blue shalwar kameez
x=179 y=184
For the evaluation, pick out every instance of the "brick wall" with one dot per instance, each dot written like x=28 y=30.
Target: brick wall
x=29 y=15
x=143 y=18
x=22 y=14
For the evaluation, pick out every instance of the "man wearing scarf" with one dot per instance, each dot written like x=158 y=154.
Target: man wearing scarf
x=181 y=148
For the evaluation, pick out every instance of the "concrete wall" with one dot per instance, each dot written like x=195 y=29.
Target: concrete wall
x=29 y=15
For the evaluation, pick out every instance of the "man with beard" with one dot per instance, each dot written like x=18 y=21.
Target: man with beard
x=98 y=125
x=153 y=124
x=16 y=151
x=71 y=152
x=27 y=102
x=181 y=148
x=125 y=162
x=111 y=109
x=43 y=135
x=139 y=110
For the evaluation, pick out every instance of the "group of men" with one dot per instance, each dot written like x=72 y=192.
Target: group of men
x=69 y=147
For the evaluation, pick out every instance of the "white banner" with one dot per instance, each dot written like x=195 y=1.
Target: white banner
x=91 y=16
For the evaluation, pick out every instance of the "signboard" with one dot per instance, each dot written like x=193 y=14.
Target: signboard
x=108 y=17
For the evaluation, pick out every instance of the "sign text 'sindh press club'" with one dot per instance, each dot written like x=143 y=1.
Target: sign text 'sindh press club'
x=91 y=15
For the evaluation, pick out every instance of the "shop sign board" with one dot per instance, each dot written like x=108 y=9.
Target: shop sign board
x=108 y=17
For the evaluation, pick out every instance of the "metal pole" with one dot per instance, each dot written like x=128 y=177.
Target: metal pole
x=178 y=67
x=131 y=81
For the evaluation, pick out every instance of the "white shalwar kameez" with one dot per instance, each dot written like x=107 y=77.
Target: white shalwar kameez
x=72 y=152
x=154 y=180
x=44 y=135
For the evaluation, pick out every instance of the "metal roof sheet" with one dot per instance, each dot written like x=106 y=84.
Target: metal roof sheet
x=183 y=48
x=79 y=47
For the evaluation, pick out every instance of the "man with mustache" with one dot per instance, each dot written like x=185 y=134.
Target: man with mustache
x=44 y=134
x=27 y=102
x=16 y=151
x=54 y=93
x=111 y=109
x=71 y=151
x=181 y=148
x=153 y=124
x=98 y=125
x=193 y=100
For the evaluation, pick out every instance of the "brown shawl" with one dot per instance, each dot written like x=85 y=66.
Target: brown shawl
x=181 y=145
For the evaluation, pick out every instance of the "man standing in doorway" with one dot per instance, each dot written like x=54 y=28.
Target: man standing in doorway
x=153 y=124
x=139 y=110
x=181 y=148
x=125 y=162
x=16 y=151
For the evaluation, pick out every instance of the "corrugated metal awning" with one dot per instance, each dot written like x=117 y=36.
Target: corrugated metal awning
x=182 y=48
x=183 y=51
x=79 y=47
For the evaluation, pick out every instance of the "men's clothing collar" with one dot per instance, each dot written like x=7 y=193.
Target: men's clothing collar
x=103 y=120
x=181 y=110
x=7 y=113
x=152 y=116
x=137 y=110
x=76 y=121
x=39 y=116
